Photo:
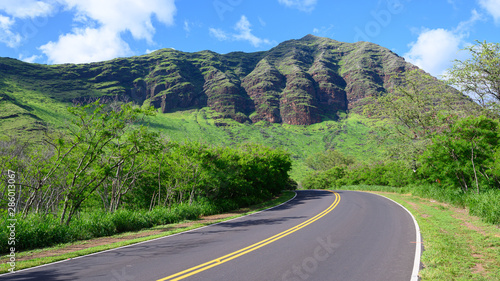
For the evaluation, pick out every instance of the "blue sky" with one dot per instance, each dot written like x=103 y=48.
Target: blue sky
x=428 y=33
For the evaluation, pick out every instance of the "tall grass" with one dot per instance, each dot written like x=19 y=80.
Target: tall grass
x=36 y=231
x=485 y=205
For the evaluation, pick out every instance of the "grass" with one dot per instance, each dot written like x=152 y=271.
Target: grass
x=165 y=230
x=457 y=245
x=30 y=111
x=351 y=136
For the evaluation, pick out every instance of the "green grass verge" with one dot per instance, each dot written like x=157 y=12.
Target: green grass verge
x=49 y=259
x=457 y=246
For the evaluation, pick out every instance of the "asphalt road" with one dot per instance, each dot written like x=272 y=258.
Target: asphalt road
x=319 y=235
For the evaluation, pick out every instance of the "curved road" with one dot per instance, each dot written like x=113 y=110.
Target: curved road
x=319 y=235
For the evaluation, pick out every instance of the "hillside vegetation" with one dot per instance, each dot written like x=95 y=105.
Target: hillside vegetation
x=119 y=145
x=305 y=96
x=442 y=148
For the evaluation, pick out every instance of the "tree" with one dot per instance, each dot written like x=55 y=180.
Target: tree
x=132 y=152
x=462 y=156
x=13 y=157
x=41 y=178
x=418 y=107
x=326 y=160
x=332 y=177
x=479 y=76
x=81 y=155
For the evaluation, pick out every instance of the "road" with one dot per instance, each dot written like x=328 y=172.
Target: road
x=319 y=235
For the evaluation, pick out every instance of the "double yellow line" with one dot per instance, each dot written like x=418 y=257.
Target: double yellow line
x=199 y=268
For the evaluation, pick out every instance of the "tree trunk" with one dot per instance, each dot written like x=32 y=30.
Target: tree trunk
x=153 y=200
x=474 y=168
x=65 y=208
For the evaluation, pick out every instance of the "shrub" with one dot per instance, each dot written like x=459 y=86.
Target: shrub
x=485 y=205
x=325 y=179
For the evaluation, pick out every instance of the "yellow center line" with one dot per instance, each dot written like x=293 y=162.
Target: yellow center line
x=215 y=262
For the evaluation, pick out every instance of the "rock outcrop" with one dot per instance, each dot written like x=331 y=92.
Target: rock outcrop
x=298 y=82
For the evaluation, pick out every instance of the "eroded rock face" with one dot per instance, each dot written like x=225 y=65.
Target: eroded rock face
x=298 y=82
x=170 y=85
x=264 y=86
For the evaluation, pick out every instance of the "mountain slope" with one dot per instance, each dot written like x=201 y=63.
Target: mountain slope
x=298 y=82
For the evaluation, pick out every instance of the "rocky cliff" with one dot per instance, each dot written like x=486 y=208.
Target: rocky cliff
x=297 y=82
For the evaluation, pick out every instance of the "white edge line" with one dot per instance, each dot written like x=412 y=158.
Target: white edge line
x=418 y=242
x=147 y=241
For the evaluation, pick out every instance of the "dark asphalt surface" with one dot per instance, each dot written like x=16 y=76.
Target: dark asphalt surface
x=365 y=237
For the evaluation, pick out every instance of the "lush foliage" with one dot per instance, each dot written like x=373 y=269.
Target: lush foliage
x=480 y=74
x=104 y=162
x=390 y=173
x=464 y=155
x=327 y=160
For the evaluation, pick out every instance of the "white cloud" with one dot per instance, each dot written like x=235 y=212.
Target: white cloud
x=187 y=26
x=21 y=9
x=126 y=15
x=244 y=33
x=302 y=5
x=493 y=8
x=27 y=8
x=464 y=26
x=86 y=45
x=435 y=49
x=31 y=59
x=218 y=33
x=6 y=22
x=103 y=22
x=326 y=31
x=7 y=36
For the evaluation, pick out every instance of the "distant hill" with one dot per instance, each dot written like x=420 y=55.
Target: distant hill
x=299 y=82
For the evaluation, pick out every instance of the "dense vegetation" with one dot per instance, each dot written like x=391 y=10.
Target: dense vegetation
x=446 y=149
x=112 y=166
x=106 y=174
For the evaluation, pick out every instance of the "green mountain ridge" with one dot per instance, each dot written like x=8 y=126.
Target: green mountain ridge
x=297 y=82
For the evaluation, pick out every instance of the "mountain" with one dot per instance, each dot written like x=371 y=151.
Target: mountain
x=298 y=82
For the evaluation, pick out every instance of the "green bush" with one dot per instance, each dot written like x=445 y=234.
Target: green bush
x=440 y=193
x=331 y=178
x=383 y=173
x=485 y=205
x=94 y=224
x=128 y=220
x=462 y=157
